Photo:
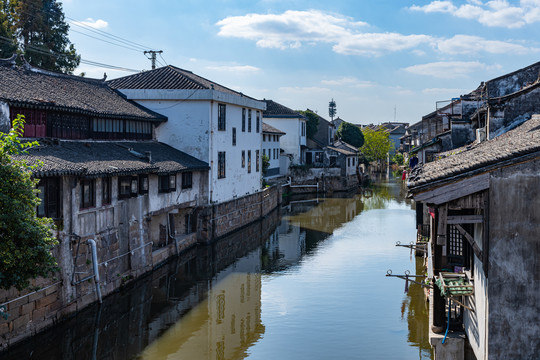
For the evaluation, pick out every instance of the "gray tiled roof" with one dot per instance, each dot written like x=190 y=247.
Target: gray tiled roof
x=112 y=158
x=274 y=109
x=47 y=90
x=342 y=150
x=271 y=130
x=523 y=140
x=169 y=78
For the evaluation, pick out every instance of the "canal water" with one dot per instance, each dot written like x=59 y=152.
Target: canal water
x=308 y=282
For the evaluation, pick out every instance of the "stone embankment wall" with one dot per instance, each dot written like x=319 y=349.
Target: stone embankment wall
x=218 y=220
x=327 y=183
x=124 y=252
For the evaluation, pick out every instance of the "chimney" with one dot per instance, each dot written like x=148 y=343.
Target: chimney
x=148 y=155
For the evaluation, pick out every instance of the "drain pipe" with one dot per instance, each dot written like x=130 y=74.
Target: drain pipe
x=95 y=264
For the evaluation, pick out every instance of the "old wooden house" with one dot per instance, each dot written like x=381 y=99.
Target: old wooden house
x=481 y=207
x=107 y=183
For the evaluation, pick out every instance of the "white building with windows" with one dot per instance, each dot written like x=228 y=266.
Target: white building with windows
x=271 y=148
x=209 y=121
x=293 y=124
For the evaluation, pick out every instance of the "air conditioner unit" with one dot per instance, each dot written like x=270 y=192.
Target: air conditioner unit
x=480 y=135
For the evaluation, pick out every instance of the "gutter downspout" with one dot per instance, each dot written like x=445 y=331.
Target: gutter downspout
x=92 y=244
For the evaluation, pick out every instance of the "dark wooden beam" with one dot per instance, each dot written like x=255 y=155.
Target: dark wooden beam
x=465 y=219
x=469 y=238
x=454 y=190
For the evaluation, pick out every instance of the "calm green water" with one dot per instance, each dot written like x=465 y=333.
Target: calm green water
x=308 y=283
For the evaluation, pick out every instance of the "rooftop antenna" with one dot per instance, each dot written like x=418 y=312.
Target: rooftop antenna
x=153 y=56
x=332 y=109
x=395 y=111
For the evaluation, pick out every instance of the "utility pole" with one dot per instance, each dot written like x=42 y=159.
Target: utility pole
x=153 y=56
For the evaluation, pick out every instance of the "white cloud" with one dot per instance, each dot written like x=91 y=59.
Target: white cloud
x=495 y=13
x=235 y=68
x=293 y=29
x=303 y=90
x=96 y=24
x=435 y=6
x=376 y=44
x=348 y=81
x=467 y=44
x=290 y=29
x=442 y=91
x=447 y=70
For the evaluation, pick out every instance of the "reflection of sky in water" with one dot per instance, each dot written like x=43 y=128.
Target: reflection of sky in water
x=323 y=293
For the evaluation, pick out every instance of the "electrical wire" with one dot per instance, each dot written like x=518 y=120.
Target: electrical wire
x=89 y=28
x=48 y=52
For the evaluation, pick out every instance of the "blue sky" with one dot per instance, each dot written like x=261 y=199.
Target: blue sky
x=377 y=59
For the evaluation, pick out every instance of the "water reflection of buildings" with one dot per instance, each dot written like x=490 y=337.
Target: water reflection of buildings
x=417 y=313
x=207 y=304
x=224 y=325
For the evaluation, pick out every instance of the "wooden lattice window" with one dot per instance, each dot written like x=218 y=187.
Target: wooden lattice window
x=35 y=121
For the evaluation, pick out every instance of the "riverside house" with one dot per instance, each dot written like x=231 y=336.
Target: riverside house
x=271 y=148
x=480 y=203
x=293 y=125
x=111 y=188
x=495 y=107
x=207 y=120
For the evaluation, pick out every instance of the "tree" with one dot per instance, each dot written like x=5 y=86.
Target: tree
x=265 y=164
x=26 y=240
x=8 y=44
x=312 y=123
x=39 y=31
x=351 y=134
x=377 y=144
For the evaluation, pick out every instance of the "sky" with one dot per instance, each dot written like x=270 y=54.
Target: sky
x=384 y=60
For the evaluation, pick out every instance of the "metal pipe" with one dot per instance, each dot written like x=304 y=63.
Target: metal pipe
x=95 y=264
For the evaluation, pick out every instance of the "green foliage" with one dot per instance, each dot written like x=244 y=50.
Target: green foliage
x=398 y=159
x=312 y=123
x=26 y=240
x=351 y=134
x=38 y=30
x=265 y=164
x=377 y=144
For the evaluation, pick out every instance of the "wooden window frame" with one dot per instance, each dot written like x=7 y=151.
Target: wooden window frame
x=51 y=196
x=144 y=184
x=257 y=153
x=222 y=162
x=187 y=180
x=249 y=120
x=122 y=181
x=88 y=201
x=106 y=193
x=243 y=119
x=222 y=117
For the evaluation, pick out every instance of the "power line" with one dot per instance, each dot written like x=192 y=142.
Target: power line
x=118 y=41
x=161 y=56
x=93 y=37
x=45 y=51
x=106 y=35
